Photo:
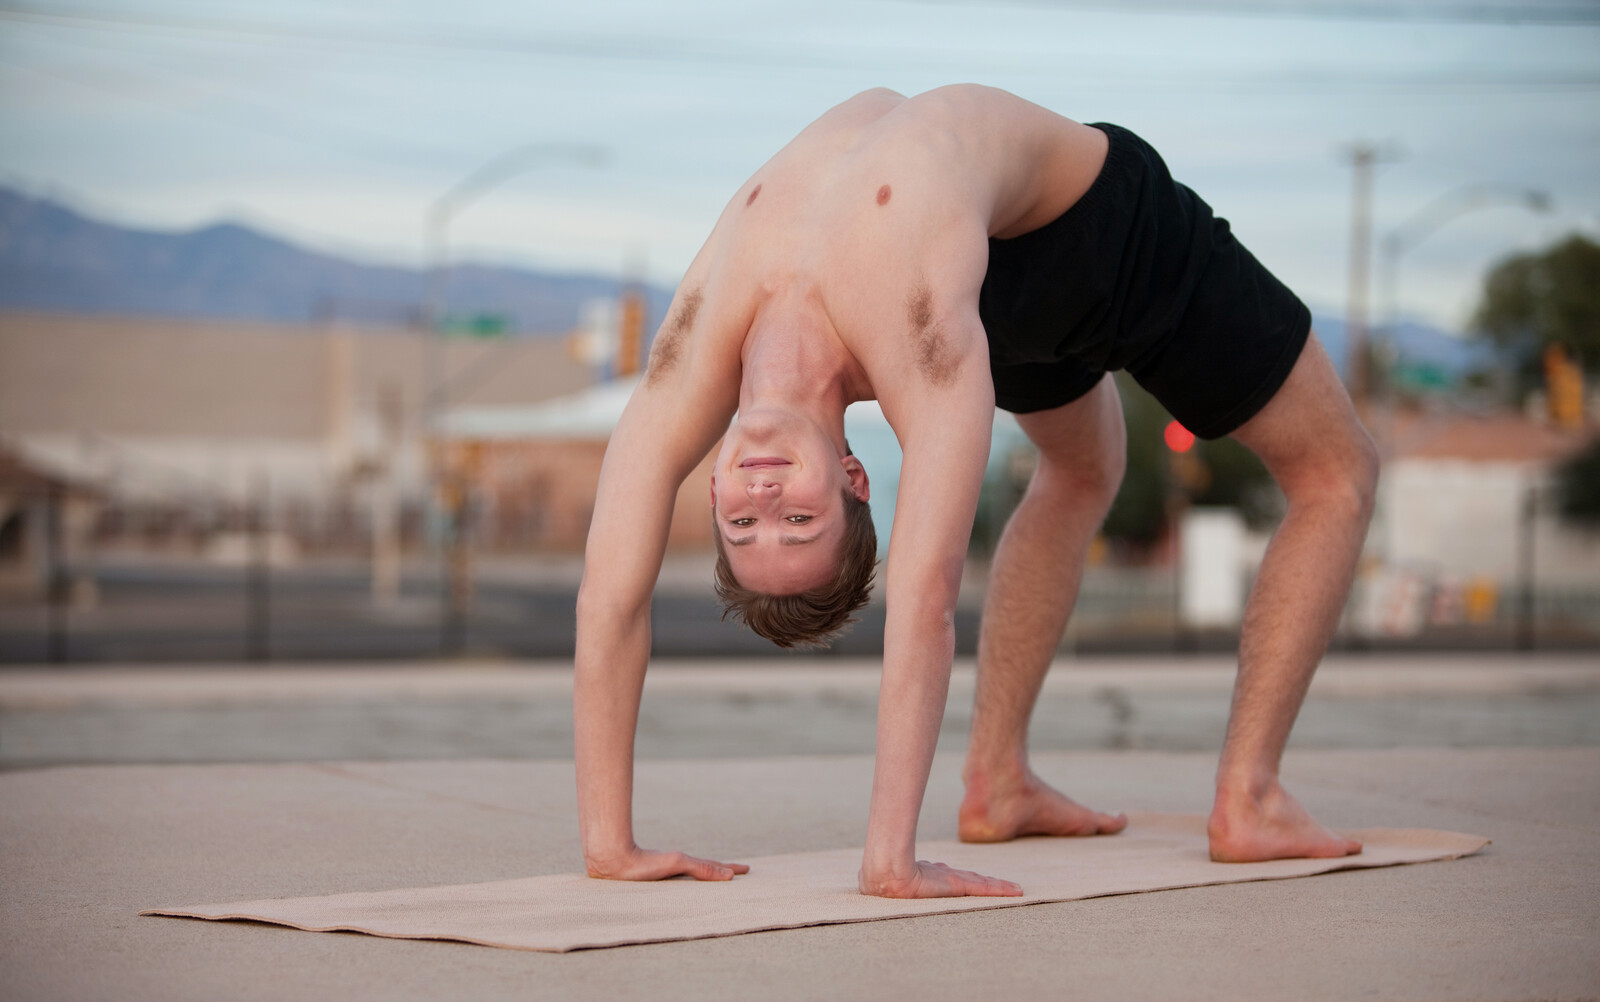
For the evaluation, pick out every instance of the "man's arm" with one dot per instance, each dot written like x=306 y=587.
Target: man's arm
x=670 y=423
x=943 y=418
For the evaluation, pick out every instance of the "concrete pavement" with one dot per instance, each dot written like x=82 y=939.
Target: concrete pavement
x=85 y=847
x=734 y=709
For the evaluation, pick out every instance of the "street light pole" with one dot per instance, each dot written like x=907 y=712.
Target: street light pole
x=1430 y=218
x=1416 y=228
x=454 y=571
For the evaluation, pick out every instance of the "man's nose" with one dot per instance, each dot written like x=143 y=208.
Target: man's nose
x=763 y=489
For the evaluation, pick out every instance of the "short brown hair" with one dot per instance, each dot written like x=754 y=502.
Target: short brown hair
x=810 y=618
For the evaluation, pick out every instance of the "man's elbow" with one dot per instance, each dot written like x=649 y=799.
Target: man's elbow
x=601 y=610
x=930 y=613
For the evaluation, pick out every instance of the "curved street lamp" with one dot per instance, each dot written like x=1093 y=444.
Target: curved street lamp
x=490 y=175
x=436 y=228
x=1418 y=227
x=1431 y=217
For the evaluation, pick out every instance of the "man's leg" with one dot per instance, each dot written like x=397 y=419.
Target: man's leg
x=1311 y=441
x=1032 y=587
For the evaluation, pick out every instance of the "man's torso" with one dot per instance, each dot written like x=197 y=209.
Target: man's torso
x=883 y=207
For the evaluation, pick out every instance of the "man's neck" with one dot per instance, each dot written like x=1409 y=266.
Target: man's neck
x=793 y=359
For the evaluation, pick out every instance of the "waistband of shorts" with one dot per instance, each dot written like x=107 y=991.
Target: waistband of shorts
x=1124 y=157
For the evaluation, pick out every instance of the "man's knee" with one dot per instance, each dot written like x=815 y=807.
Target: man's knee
x=1344 y=479
x=1088 y=477
x=1083 y=450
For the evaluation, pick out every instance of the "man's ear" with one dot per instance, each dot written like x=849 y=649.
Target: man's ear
x=713 y=492
x=858 y=478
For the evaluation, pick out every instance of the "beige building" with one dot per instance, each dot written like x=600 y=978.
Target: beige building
x=1456 y=492
x=1466 y=525
x=209 y=414
x=535 y=470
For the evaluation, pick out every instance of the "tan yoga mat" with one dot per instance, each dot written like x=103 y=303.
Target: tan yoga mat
x=572 y=912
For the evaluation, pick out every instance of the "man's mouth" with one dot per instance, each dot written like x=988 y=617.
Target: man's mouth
x=761 y=461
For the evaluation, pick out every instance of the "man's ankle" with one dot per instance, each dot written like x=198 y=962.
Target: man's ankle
x=996 y=773
x=1246 y=785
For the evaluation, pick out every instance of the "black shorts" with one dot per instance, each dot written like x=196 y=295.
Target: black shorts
x=1139 y=275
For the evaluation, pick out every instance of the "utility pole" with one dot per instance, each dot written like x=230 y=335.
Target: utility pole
x=1362 y=156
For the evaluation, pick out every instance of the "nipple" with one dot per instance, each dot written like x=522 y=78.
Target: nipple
x=883 y=195
x=753 y=193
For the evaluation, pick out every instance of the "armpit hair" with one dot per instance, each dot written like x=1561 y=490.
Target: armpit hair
x=935 y=358
x=669 y=343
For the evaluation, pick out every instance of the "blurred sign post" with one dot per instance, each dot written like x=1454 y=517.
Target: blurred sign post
x=1564 y=387
x=259 y=573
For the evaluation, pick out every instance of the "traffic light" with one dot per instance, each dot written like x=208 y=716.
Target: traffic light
x=1178 y=438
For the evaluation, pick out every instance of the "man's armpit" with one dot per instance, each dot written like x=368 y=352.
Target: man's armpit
x=936 y=358
x=669 y=343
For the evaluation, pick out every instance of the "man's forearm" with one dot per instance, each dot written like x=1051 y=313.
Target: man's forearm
x=613 y=649
x=919 y=645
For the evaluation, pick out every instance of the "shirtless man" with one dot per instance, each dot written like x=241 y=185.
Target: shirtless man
x=865 y=260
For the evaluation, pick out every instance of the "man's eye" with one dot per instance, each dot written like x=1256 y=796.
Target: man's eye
x=799 y=519
x=742 y=522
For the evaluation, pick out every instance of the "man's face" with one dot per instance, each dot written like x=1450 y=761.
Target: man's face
x=777 y=494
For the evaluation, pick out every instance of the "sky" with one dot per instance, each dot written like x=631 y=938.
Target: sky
x=339 y=124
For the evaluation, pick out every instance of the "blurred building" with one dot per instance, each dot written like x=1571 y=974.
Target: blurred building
x=45 y=523
x=1457 y=490
x=175 y=419
x=1466 y=530
x=534 y=470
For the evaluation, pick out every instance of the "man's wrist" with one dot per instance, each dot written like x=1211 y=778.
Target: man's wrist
x=888 y=865
x=605 y=862
x=886 y=879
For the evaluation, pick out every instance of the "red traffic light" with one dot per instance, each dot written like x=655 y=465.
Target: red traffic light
x=1178 y=438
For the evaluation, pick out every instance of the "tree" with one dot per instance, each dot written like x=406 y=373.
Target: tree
x=1551 y=297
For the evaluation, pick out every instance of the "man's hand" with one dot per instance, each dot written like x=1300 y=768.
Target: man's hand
x=647 y=864
x=936 y=880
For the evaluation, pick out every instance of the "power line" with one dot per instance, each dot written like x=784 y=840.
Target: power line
x=1530 y=12
x=611 y=46
x=701 y=54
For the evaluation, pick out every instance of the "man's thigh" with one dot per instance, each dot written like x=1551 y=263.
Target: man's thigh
x=1084 y=439
x=1309 y=430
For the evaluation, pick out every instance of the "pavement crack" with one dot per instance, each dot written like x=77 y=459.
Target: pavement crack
x=1122 y=713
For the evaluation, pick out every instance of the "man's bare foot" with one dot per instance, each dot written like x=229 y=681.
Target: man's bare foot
x=1000 y=811
x=1246 y=828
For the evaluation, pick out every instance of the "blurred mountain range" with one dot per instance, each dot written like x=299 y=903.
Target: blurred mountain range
x=1417 y=346
x=54 y=259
